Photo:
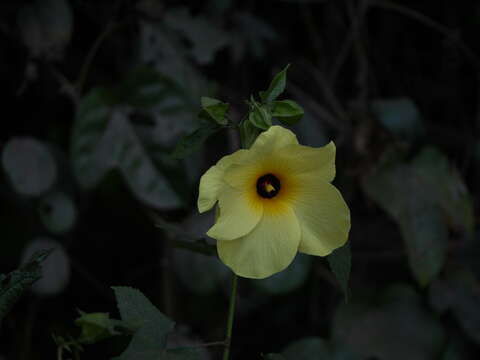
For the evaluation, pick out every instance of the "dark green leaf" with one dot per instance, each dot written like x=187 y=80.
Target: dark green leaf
x=136 y=310
x=204 y=36
x=13 y=285
x=208 y=101
x=400 y=116
x=144 y=87
x=340 y=261
x=287 y=280
x=91 y=121
x=192 y=142
x=103 y=140
x=288 y=112
x=459 y=292
x=448 y=187
x=150 y=325
x=277 y=86
x=213 y=109
x=403 y=192
x=260 y=117
x=397 y=328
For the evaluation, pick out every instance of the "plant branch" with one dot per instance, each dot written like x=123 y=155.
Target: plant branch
x=429 y=22
x=91 y=55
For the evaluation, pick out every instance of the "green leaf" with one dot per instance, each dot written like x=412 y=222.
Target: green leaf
x=287 y=280
x=136 y=310
x=397 y=328
x=458 y=292
x=205 y=38
x=213 y=109
x=288 y=112
x=340 y=261
x=277 y=86
x=29 y=165
x=400 y=116
x=260 y=116
x=192 y=142
x=201 y=274
x=447 y=186
x=150 y=325
x=104 y=139
x=96 y=327
x=92 y=118
x=144 y=87
x=248 y=133
x=404 y=192
x=13 y=285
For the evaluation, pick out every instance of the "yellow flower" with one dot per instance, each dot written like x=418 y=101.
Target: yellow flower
x=274 y=199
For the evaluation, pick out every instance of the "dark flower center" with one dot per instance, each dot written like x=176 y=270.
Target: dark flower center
x=268 y=186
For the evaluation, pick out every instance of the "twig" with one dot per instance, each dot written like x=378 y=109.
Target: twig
x=90 y=56
x=320 y=110
x=429 y=22
x=101 y=288
x=328 y=94
x=357 y=19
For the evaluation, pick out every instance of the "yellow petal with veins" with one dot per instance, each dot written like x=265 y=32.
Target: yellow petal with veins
x=268 y=249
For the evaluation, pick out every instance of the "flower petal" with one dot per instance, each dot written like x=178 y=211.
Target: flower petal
x=323 y=215
x=238 y=214
x=268 y=249
x=276 y=137
x=305 y=159
x=212 y=181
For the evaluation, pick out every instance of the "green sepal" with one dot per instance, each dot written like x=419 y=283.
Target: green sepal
x=340 y=261
x=288 y=112
x=260 y=116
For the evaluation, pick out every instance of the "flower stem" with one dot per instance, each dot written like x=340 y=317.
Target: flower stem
x=231 y=315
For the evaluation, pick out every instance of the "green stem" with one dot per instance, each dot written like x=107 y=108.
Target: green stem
x=231 y=315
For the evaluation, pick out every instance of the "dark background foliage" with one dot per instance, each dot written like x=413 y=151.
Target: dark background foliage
x=95 y=95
